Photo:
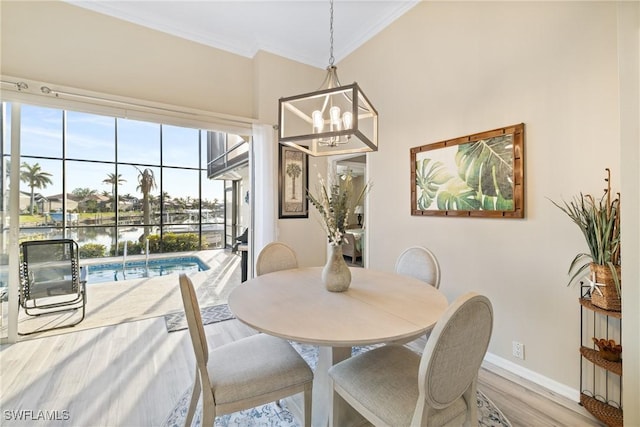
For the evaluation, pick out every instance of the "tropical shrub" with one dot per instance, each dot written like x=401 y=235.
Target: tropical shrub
x=133 y=248
x=92 y=250
x=172 y=242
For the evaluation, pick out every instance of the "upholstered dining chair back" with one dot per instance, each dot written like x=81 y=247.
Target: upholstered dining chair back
x=199 y=342
x=396 y=387
x=420 y=263
x=243 y=374
x=275 y=256
x=453 y=355
x=194 y=321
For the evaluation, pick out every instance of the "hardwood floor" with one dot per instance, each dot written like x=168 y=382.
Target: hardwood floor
x=132 y=374
x=525 y=407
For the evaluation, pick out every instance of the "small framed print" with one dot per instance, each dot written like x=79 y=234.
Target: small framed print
x=293 y=177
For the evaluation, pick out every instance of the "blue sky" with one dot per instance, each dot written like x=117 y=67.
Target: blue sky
x=92 y=137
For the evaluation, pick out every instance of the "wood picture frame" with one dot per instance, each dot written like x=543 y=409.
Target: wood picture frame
x=479 y=175
x=293 y=178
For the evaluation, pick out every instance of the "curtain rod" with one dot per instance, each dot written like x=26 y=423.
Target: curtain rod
x=46 y=90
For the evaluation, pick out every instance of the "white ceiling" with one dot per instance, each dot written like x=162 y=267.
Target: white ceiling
x=295 y=29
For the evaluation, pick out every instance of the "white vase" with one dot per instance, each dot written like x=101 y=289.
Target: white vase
x=336 y=276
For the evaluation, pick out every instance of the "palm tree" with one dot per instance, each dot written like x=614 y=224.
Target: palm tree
x=146 y=183
x=293 y=170
x=114 y=180
x=34 y=177
x=83 y=193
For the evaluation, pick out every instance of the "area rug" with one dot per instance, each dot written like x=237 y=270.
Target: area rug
x=272 y=415
x=212 y=314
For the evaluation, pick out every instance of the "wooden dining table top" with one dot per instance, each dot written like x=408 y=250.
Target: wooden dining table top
x=378 y=307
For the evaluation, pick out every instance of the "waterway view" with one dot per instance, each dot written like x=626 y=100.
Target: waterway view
x=107 y=236
x=100 y=229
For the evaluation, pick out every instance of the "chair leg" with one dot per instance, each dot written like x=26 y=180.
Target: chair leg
x=334 y=405
x=195 y=396
x=208 y=409
x=470 y=396
x=308 y=397
x=69 y=325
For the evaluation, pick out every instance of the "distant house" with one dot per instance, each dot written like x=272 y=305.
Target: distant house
x=25 y=202
x=54 y=203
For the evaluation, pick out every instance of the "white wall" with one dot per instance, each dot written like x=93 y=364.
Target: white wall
x=448 y=69
x=276 y=77
x=629 y=62
x=59 y=43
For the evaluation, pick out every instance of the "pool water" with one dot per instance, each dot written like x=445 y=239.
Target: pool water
x=99 y=273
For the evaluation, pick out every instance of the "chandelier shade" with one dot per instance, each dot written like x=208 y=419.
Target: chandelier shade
x=334 y=119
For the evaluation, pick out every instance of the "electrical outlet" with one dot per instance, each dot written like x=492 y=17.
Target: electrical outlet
x=518 y=349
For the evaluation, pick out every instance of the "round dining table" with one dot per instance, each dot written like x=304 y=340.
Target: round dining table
x=379 y=307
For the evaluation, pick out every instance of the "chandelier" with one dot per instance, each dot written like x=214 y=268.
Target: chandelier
x=334 y=119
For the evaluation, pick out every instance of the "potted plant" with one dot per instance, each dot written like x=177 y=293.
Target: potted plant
x=333 y=202
x=599 y=221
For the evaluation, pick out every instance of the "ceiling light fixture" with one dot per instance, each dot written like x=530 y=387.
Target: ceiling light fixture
x=332 y=120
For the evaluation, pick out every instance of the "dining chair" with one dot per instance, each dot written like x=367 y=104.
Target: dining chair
x=420 y=263
x=252 y=371
x=394 y=386
x=275 y=256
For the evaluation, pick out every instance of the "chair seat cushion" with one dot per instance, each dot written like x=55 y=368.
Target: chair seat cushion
x=254 y=366
x=385 y=382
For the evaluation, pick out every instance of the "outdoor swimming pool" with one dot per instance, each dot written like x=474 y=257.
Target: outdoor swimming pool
x=109 y=272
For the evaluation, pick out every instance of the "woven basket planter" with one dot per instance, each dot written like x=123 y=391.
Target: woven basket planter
x=609 y=299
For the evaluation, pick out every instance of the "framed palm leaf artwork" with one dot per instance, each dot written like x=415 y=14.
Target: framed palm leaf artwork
x=479 y=175
x=293 y=176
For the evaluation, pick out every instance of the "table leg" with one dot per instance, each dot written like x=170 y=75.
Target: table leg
x=322 y=407
x=322 y=391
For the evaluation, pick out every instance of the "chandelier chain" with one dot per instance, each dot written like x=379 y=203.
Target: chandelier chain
x=331 y=58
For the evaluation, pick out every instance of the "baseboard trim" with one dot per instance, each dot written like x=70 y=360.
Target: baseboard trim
x=535 y=382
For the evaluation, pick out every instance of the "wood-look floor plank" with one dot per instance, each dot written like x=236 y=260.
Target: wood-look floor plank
x=524 y=407
x=133 y=374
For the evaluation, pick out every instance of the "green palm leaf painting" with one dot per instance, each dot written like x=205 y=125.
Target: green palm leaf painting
x=469 y=176
x=457 y=196
x=429 y=177
x=487 y=166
